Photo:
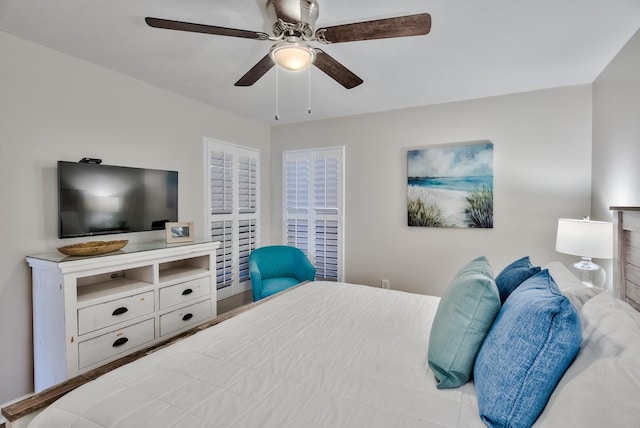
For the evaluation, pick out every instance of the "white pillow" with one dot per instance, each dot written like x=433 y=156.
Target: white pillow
x=572 y=287
x=602 y=386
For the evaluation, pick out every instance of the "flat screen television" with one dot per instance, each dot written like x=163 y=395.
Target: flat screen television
x=95 y=199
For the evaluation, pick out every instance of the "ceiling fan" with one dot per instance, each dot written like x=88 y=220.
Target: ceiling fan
x=294 y=28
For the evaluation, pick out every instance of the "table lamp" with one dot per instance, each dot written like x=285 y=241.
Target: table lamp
x=587 y=239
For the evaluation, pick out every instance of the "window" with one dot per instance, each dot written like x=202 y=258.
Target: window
x=313 y=207
x=233 y=215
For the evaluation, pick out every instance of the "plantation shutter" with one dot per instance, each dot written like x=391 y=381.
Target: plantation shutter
x=246 y=243
x=297 y=178
x=247 y=179
x=233 y=212
x=221 y=182
x=223 y=231
x=247 y=227
x=313 y=204
x=327 y=195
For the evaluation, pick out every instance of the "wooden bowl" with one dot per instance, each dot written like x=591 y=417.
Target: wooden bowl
x=92 y=248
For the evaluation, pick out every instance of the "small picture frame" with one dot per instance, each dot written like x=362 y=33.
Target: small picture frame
x=179 y=232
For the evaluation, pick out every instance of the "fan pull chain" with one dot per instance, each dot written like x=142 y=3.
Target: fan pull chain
x=309 y=86
x=277 y=110
x=277 y=116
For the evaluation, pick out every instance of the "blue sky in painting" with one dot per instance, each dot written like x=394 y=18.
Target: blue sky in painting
x=452 y=160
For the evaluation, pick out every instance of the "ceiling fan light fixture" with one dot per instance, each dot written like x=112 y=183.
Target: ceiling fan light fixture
x=292 y=56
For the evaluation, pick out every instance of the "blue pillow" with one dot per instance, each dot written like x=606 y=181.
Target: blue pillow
x=514 y=275
x=464 y=316
x=532 y=342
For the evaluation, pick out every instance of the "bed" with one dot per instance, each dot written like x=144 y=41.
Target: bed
x=329 y=354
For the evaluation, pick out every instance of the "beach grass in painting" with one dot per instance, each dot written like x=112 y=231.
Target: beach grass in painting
x=480 y=207
x=451 y=186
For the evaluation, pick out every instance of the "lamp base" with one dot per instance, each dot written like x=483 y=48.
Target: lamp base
x=591 y=274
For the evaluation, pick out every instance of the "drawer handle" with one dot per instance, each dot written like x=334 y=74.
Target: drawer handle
x=187 y=317
x=120 y=342
x=187 y=292
x=121 y=310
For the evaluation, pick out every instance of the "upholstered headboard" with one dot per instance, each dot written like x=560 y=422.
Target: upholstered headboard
x=626 y=254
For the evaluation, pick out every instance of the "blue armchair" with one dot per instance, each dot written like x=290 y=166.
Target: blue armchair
x=278 y=267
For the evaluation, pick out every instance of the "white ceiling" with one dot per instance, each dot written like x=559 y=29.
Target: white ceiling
x=476 y=48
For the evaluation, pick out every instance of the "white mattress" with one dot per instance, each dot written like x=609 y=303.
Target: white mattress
x=322 y=355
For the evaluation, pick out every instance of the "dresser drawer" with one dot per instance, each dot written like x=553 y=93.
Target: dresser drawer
x=114 y=343
x=184 y=292
x=102 y=315
x=184 y=317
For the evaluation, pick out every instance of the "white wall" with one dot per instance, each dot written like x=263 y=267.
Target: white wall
x=54 y=107
x=616 y=132
x=542 y=171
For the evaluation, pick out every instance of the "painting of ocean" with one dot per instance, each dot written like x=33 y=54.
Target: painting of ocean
x=451 y=185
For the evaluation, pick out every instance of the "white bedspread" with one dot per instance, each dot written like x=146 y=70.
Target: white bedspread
x=322 y=355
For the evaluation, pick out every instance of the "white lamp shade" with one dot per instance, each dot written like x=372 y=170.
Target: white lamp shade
x=585 y=238
x=292 y=56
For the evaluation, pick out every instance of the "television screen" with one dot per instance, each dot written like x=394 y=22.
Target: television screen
x=98 y=199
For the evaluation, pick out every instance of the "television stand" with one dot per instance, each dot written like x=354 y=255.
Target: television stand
x=88 y=311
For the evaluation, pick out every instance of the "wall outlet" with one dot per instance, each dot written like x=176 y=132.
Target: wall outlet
x=385 y=283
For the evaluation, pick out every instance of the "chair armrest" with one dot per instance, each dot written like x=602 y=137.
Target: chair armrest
x=256 y=281
x=305 y=271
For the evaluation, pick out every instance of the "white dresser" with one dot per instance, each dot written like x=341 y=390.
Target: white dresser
x=88 y=311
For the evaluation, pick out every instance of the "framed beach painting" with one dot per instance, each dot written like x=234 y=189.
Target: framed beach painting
x=451 y=185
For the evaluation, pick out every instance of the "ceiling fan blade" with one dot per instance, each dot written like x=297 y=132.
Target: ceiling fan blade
x=335 y=70
x=206 y=29
x=401 y=26
x=256 y=72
